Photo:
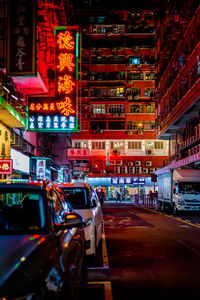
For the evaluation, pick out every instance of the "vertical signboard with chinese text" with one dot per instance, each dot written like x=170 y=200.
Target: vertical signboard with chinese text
x=21 y=58
x=41 y=169
x=59 y=113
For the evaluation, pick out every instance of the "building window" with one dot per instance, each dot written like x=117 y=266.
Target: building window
x=98 y=145
x=98 y=109
x=150 y=108
x=149 y=125
x=116 y=108
x=95 y=125
x=135 y=76
x=158 y=145
x=133 y=92
x=149 y=76
x=134 y=145
x=134 y=125
x=136 y=108
x=80 y=145
x=116 y=125
x=116 y=145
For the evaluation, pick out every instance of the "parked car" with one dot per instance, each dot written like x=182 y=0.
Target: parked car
x=85 y=202
x=42 y=244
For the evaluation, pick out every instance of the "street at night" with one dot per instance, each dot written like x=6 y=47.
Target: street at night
x=149 y=254
x=99 y=149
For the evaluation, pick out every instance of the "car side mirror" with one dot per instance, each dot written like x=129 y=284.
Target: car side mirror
x=71 y=220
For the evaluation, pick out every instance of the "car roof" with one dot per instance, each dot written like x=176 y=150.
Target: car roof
x=21 y=185
x=73 y=184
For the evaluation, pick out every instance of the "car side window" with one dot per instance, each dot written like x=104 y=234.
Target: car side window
x=93 y=198
x=57 y=207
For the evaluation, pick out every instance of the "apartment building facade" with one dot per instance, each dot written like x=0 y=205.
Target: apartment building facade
x=117 y=139
x=178 y=82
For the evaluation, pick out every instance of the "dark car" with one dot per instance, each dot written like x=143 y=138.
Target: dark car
x=42 y=244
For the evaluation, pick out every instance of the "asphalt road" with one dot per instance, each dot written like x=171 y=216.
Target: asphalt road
x=146 y=254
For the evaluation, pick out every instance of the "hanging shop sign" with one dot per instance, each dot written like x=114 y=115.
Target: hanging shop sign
x=59 y=113
x=21 y=58
x=21 y=162
x=6 y=166
x=127 y=180
x=41 y=169
x=78 y=154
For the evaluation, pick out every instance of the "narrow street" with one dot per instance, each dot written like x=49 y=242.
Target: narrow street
x=149 y=254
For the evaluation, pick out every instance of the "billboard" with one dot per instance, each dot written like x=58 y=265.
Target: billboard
x=21 y=58
x=59 y=113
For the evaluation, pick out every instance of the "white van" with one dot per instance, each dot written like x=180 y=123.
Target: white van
x=84 y=201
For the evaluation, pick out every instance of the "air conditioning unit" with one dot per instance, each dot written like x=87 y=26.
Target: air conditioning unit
x=130 y=163
x=130 y=81
x=136 y=97
x=129 y=65
x=131 y=170
x=149 y=152
x=152 y=170
x=138 y=163
x=100 y=131
x=119 y=162
x=140 y=132
x=138 y=170
x=148 y=163
x=137 y=111
x=145 y=170
x=129 y=97
x=115 y=152
x=113 y=162
x=129 y=132
x=92 y=77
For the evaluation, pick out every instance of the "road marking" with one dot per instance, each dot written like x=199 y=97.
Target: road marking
x=107 y=288
x=104 y=254
x=196 y=251
x=104 y=250
x=172 y=217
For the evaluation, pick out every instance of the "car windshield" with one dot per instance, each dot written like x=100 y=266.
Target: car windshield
x=76 y=196
x=21 y=211
x=189 y=187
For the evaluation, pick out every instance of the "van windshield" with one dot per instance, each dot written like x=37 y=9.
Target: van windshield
x=76 y=196
x=189 y=187
x=21 y=211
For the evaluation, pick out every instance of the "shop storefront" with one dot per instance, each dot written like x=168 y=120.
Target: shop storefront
x=128 y=187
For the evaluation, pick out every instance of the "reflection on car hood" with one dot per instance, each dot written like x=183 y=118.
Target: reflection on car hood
x=14 y=250
x=85 y=213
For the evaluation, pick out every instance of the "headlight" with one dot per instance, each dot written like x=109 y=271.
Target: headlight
x=181 y=202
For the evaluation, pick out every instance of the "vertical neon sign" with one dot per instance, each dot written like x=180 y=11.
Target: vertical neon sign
x=67 y=73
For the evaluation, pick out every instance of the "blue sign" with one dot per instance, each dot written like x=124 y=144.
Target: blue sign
x=127 y=180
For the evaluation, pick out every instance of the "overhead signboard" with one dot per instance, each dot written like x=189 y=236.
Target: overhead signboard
x=78 y=154
x=21 y=162
x=59 y=113
x=127 y=180
x=21 y=58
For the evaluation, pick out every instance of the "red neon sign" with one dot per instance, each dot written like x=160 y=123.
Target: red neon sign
x=6 y=166
x=66 y=72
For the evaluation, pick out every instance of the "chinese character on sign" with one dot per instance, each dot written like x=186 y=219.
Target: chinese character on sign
x=65 y=41
x=65 y=107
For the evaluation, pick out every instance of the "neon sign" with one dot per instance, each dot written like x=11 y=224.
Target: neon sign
x=59 y=113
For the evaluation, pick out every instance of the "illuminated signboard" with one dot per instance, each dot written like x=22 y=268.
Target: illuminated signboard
x=21 y=58
x=41 y=169
x=6 y=166
x=59 y=113
x=21 y=162
x=127 y=180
